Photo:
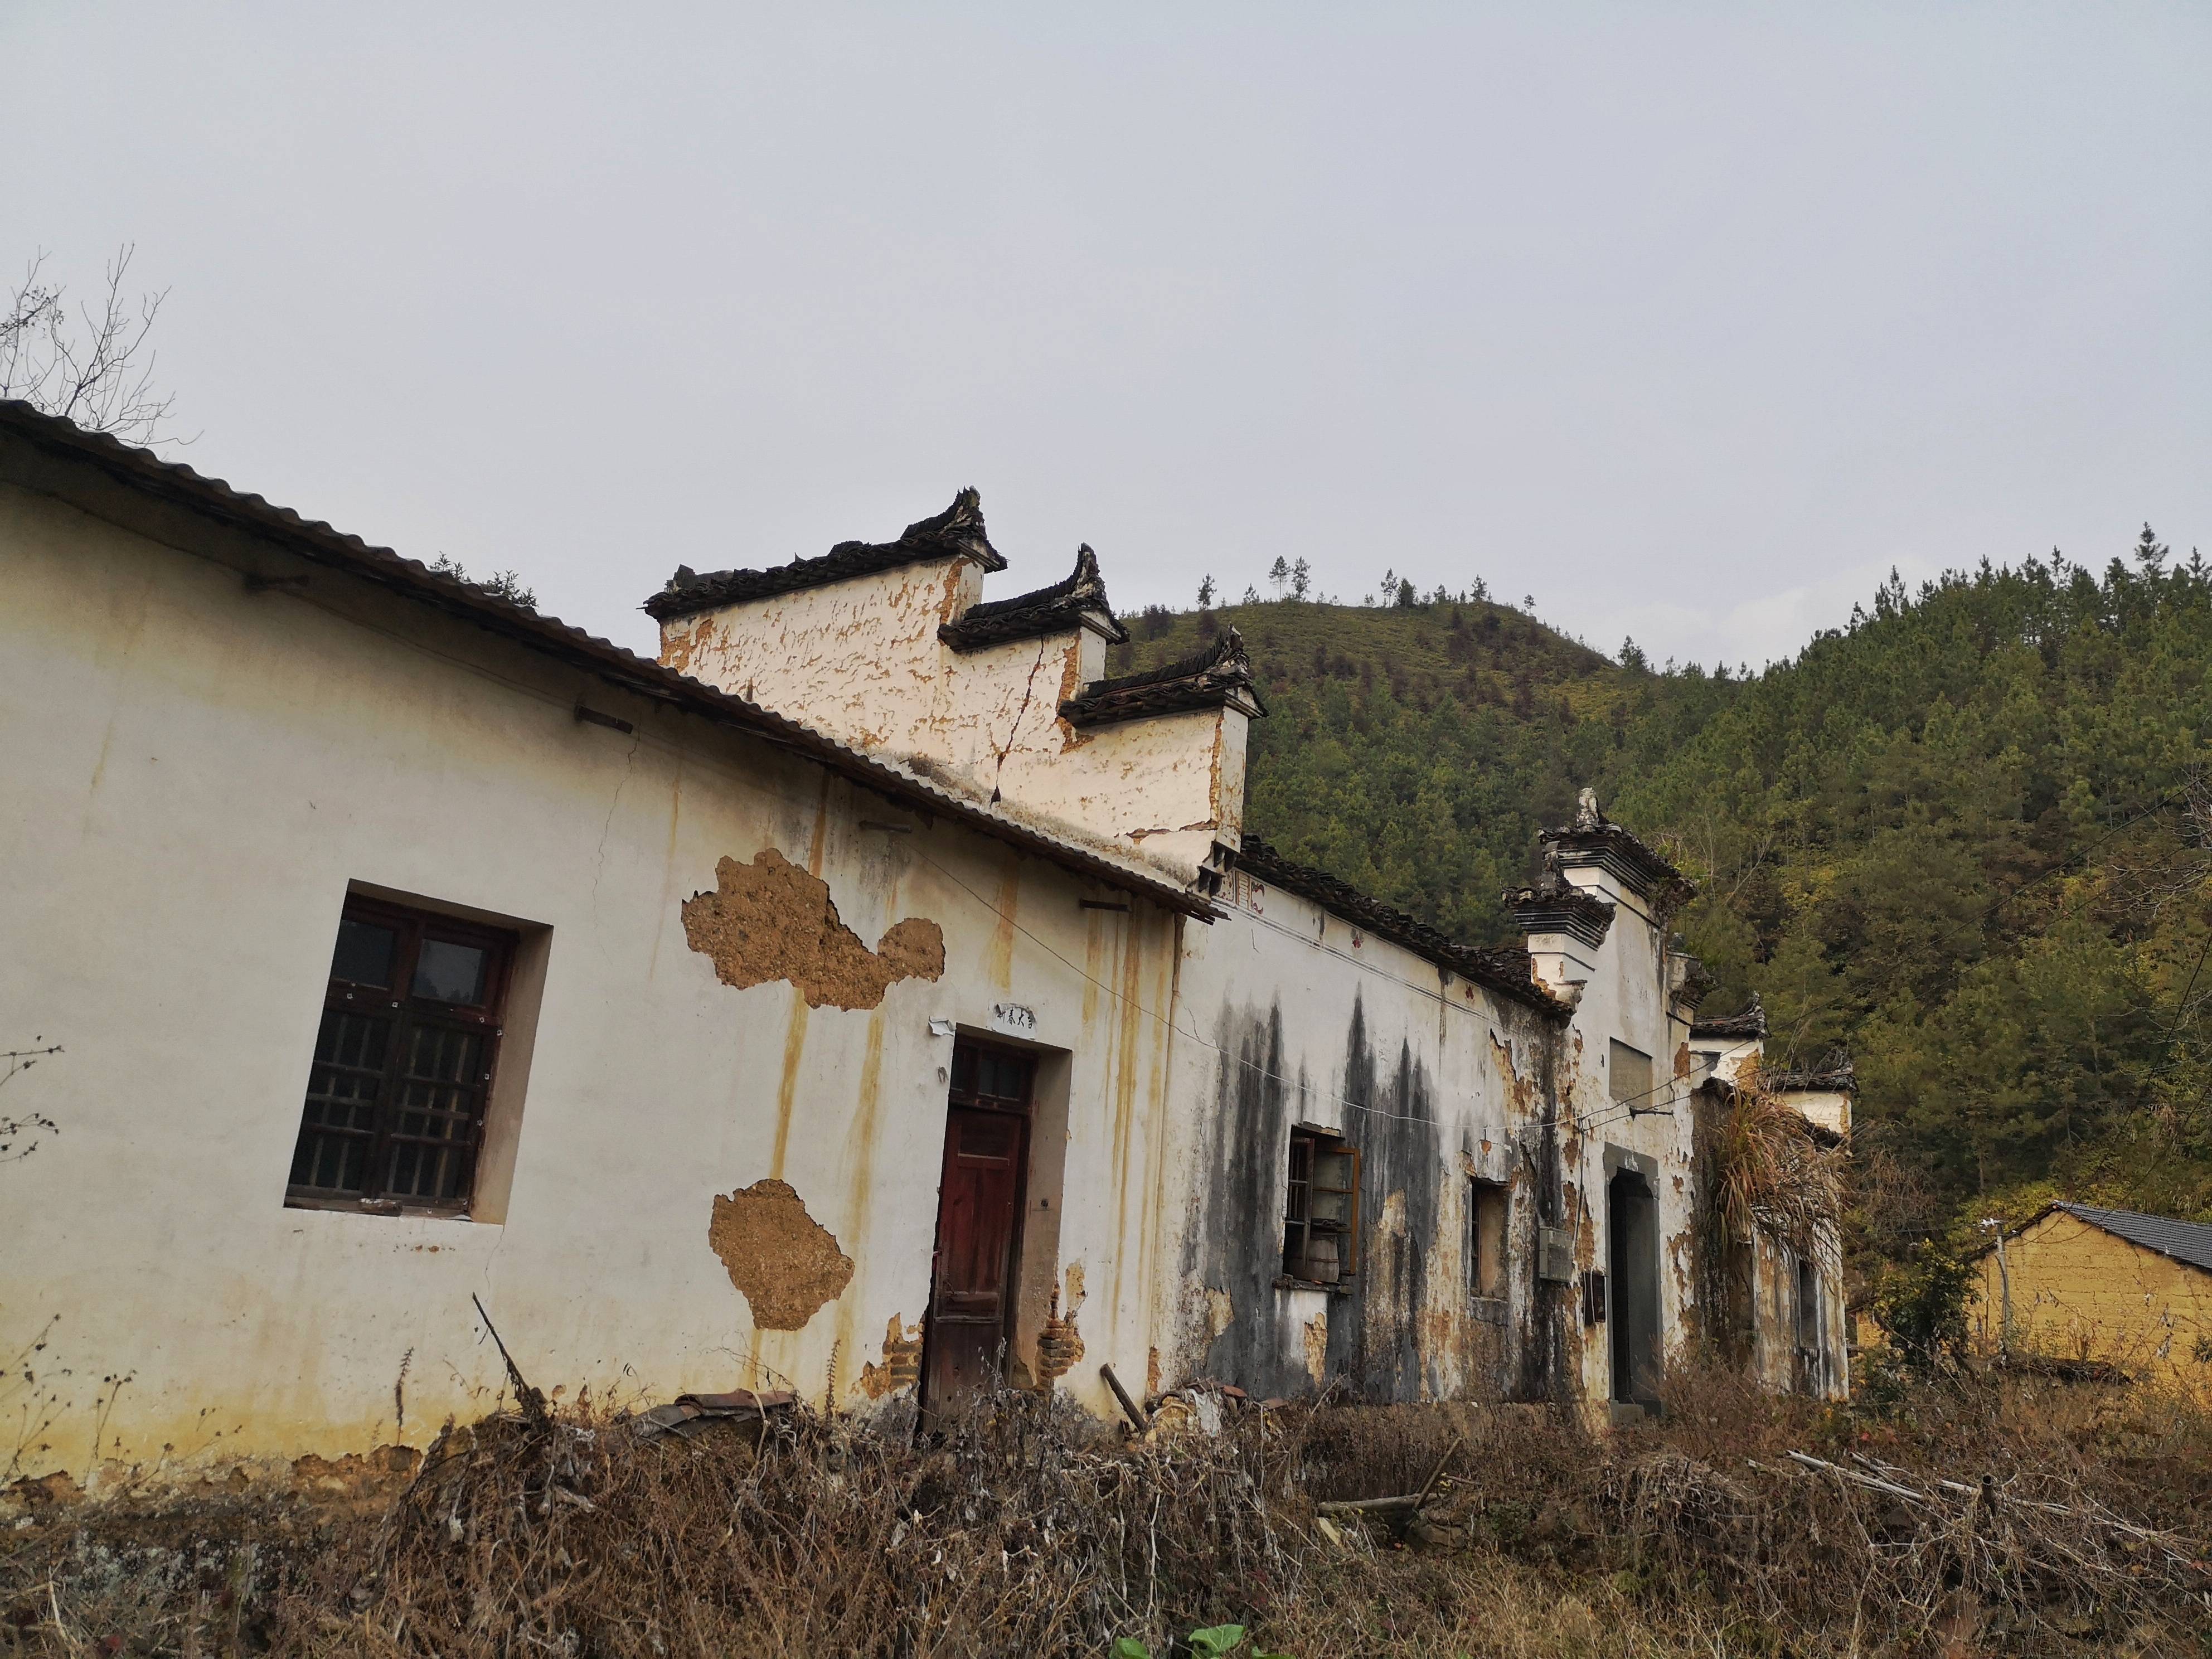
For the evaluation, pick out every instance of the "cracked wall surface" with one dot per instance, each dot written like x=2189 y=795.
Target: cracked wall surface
x=861 y=660
x=785 y=1263
x=770 y=920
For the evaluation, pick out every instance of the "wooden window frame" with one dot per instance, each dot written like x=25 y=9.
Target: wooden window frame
x=1489 y=1287
x=1023 y=1102
x=407 y=1014
x=1300 y=1223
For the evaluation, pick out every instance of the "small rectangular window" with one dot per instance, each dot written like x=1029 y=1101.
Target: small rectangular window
x=1486 y=1202
x=1321 y=1209
x=403 y=1060
x=1809 y=1306
x=1628 y=1075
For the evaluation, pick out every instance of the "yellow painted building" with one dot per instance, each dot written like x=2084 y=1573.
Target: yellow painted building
x=2082 y=1284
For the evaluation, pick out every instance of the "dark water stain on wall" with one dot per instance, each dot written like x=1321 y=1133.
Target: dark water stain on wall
x=1382 y=1340
x=1236 y=1249
x=1375 y=1332
x=1373 y=1340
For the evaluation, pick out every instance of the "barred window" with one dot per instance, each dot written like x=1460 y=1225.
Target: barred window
x=1321 y=1209
x=403 y=1060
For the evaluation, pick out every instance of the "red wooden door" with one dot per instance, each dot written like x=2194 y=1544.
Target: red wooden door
x=978 y=1223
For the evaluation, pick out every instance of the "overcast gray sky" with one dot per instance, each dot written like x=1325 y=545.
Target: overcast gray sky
x=1691 y=321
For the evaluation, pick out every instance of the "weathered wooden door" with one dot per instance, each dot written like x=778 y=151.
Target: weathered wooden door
x=979 y=1206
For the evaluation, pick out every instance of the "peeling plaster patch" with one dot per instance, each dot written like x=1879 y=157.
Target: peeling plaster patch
x=1220 y=1312
x=901 y=1366
x=353 y=1471
x=786 y=1263
x=770 y=920
x=1317 y=1330
x=1152 y=1372
x=681 y=647
x=1059 y=1345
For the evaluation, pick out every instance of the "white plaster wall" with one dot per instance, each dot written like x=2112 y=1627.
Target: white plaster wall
x=1625 y=996
x=1267 y=1009
x=1775 y=1357
x=1735 y=1056
x=861 y=659
x=1825 y=1109
x=196 y=774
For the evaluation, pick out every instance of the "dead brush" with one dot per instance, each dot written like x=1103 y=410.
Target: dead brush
x=1023 y=1527
x=1989 y=1503
x=1018 y=1527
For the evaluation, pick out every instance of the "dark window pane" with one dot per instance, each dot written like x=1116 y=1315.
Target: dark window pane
x=395 y=1097
x=433 y=1131
x=446 y=972
x=339 y=1117
x=364 y=953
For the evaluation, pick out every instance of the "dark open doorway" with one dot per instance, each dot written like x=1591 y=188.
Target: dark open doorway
x=1633 y=1231
x=979 y=1216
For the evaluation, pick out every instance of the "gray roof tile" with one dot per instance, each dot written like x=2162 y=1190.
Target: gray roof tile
x=2184 y=1241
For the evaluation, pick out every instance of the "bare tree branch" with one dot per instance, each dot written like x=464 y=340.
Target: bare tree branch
x=90 y=365
x=34 y=1124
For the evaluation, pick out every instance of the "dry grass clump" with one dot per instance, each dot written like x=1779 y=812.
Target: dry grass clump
x=2077 y=1527
x=1776 y=1177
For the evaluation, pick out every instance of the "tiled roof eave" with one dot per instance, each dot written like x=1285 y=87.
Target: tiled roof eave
x=1731 y=1028
x=1620 y=851
x=1581 y=915
x=1147 y=702
x=1509 y=972
x=320 y=544
x=975 y=633
x=2189 y=1242
x=744 y=587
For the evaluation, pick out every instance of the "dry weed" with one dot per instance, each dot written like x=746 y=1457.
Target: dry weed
x=1028 y=1529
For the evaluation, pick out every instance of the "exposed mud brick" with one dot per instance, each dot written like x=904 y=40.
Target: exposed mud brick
x=770 y=920
x=785 y=1262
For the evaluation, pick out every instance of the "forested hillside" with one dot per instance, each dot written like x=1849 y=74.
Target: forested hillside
x=1415 y=749
x=1968 y=837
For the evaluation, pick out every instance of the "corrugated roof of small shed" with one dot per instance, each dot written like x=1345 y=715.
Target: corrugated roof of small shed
x=2188 y=1242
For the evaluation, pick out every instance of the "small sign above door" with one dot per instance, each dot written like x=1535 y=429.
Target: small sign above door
x=1014 y=1019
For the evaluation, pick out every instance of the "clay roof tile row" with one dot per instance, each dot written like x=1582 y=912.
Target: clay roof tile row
x=319 y=543
x=1054 y=609
x=955 y=533
x=1509 y=972
x=1214 y=677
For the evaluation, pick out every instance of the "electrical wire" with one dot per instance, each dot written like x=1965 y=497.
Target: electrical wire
x=1192 y=1034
